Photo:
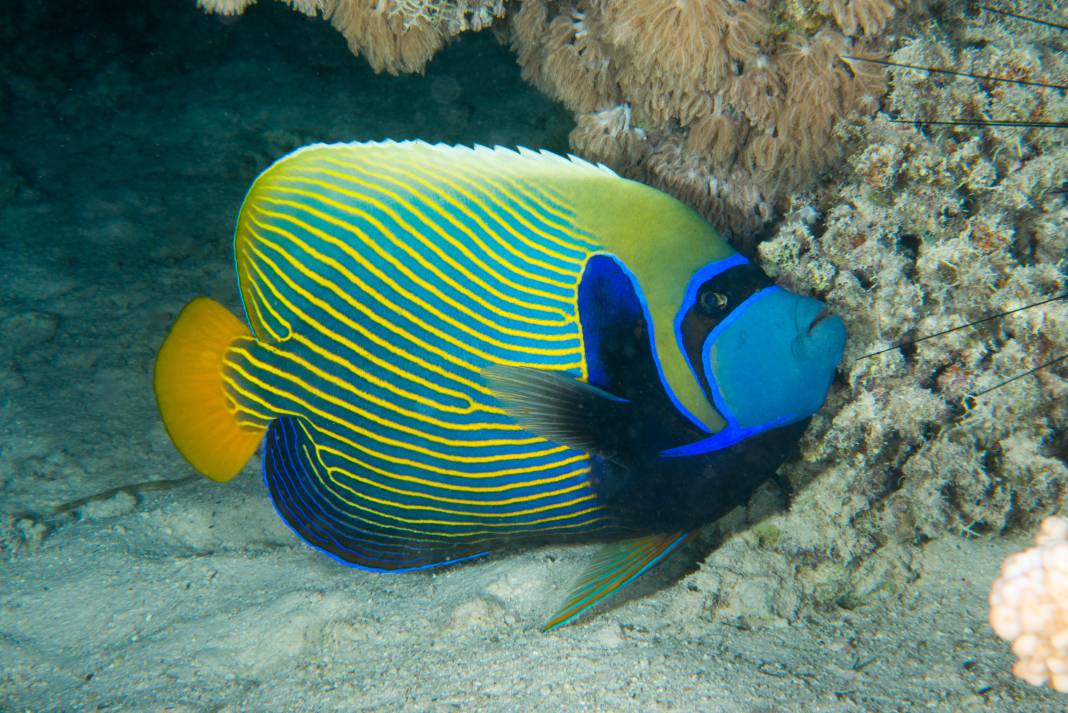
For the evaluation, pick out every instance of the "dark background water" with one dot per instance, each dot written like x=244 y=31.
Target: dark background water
x=472 y=90
x=107 y=95
x=129 y=133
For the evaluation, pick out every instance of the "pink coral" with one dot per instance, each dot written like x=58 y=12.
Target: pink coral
x=1029 y=607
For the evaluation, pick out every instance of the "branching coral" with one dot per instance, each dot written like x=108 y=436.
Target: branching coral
x=1029 y=607
x=395 y=36
x=753 y=89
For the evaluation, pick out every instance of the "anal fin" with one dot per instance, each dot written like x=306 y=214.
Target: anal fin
x=615 y=566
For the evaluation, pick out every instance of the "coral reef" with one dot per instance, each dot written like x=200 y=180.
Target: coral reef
x=395 y=36
x=1029 y=607
x=728 y=105
x=934 y=227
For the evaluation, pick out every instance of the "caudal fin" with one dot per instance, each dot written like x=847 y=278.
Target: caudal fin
x=196 y=412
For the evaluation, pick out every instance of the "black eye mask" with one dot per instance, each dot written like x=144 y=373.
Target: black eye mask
x=715 y=299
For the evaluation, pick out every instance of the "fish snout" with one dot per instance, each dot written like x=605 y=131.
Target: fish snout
x=821 y=334
x=822 y=315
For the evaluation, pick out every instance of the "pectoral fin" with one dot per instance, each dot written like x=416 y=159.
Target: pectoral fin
x=562 y=409
x=616 y=565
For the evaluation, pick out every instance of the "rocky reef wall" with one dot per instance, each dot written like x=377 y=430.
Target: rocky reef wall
x=766 y=117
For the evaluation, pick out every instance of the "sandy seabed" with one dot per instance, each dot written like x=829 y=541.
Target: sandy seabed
x=126 y=150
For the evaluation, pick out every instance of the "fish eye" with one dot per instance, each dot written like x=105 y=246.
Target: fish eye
x=712 y=302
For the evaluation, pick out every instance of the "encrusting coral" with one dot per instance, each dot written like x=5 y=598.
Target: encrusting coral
x=1029 y=607
x=930 y=227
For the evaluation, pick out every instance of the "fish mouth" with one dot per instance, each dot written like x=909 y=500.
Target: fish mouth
x=823 y=314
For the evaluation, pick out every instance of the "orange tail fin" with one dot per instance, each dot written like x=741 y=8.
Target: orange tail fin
x=198 y=415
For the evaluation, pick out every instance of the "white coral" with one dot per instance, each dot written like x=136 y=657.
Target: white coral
x=1029 y=607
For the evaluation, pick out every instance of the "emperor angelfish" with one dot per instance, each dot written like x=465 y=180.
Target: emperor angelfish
x=450 y=349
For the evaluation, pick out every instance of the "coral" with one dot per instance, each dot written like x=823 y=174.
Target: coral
x=225 y=7
x=1029 y=607
x=388 y=38
x=675 y=44
x=609 y=136
x=736 y=101
x=868 y=16
x=750 y=91
x=395 y=36
x=931 y=227
x=563 y=58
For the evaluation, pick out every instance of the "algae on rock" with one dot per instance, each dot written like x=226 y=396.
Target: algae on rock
x=930 y=227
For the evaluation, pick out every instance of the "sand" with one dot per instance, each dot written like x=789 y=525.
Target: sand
x=127 y=147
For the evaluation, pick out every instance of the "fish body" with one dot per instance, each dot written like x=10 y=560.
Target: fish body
x=448 y=350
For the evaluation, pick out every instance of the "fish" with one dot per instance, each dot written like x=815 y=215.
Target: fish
x=450 y=351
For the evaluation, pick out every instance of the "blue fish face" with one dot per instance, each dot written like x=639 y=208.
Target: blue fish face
x=771 y=361
x=764 y=356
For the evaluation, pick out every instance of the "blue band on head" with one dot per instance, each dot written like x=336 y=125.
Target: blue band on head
x=702 y=276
